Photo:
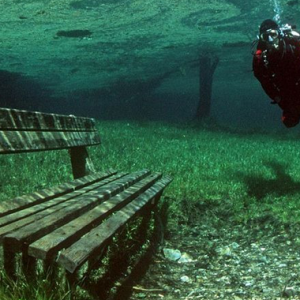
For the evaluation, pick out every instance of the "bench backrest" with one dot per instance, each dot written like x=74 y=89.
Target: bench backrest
x=24 y=131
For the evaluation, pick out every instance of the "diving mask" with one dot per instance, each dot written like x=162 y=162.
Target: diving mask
x=270 y=35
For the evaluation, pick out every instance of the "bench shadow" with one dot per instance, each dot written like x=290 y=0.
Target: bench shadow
x=281 y=185
x=128 y=263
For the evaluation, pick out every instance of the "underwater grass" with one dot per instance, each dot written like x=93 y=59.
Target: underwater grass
x=252 y=173
x=24 y=290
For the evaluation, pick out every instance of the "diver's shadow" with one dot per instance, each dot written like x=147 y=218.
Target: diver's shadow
x=283 y=184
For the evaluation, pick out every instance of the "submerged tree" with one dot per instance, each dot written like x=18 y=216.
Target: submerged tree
x=207 y=66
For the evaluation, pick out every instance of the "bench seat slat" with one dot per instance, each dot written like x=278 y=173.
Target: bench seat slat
x=69 y=211
x=49 y=245
x=28 y=141
x=64 y=202
x=54 y=204
x=24 y=201
x=74 y=256
x=14 y=119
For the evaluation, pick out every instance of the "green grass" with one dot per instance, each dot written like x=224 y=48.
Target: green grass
x=255 y=173
x=22 y=290
x=252 y=174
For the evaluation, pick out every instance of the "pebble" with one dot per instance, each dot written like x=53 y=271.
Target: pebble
x=185 y=258
x=185 y=278
x=172 y=254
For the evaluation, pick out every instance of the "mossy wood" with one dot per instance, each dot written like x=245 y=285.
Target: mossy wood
x=25 y=201
x=27 y=141
x=63 y=236
x=62 y=206
x=93 y=242
x=24 y=131
x=60 y=213
x=13 y=119
x=61 y=223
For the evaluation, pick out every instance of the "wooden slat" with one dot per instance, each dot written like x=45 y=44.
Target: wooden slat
x=64 y=204
x=27 y=141
x=13 y=119
x=49 y=245
x=69 y=211
x=25 y=201
x=74 y=256
x=55 y=204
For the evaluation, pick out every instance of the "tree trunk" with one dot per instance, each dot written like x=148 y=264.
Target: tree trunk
x=207 y=66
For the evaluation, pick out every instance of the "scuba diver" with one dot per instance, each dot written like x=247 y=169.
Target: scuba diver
x=276 y=64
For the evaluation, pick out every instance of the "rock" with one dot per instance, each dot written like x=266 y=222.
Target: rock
x=248 y=283
x=172 y=254
x=185 y=258
x=185 y=278
x=282 y=265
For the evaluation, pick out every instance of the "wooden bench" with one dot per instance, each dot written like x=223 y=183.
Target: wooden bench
x=70 y=223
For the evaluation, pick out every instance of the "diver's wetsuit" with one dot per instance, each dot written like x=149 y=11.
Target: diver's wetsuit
x=279 y=74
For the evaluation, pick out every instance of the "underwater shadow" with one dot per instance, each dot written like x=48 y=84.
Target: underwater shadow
x=123 y=263
x=283 y=184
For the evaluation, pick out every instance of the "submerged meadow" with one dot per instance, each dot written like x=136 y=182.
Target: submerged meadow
x=250 y=176
x=254 y=173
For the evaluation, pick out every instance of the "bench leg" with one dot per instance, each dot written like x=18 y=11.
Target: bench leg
x=72 y=279
x=28 y=266
x=81 y=163
x=146 y=218
x=96 y=262
x=50 y=270
x=10 y=264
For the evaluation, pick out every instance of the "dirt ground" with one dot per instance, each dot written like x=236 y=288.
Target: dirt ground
x=218 y=258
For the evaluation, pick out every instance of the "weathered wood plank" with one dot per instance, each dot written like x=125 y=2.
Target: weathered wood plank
x=41 y=210
x=82 y=165
x=13 y=119
x=9 y=261
x=49 y=245
x=27 y=141
x=74 y=256
x=25 y=201
x=69 y=211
